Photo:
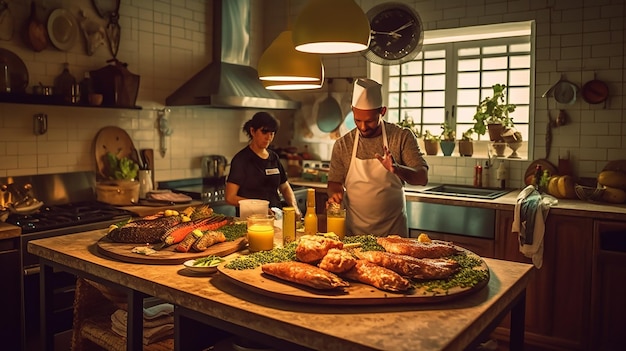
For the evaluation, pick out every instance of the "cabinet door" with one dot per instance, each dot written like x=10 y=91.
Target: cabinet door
x=557 y=296
x=10 y=294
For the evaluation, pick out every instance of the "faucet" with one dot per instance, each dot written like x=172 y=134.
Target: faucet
x=489 y=162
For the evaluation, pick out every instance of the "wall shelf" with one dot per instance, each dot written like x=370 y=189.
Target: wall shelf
x=51 y=100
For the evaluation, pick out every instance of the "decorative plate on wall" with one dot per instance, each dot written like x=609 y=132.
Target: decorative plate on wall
x=62 y=29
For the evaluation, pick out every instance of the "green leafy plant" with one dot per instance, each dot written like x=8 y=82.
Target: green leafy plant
x=468 y=135
x=448 y=133
x=407 y=122
x=428 y=136
x=493 y=110
x=121 y=168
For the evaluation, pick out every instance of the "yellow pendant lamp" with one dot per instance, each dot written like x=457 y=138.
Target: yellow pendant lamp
x=331 y=27
x=291 y=85
x=281 y=62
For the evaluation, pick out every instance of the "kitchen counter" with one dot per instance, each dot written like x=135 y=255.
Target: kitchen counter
x=572 y=207
x=450 y=325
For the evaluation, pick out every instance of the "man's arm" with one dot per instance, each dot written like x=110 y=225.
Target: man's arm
x=335 y=192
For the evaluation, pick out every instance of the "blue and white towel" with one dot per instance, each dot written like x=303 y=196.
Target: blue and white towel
x=531 y=211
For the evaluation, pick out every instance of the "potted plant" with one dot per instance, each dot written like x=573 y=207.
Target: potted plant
x=448 y=136
x=407 y=122
x=121 y=188
x=493 y=114
x=466 y=144
x=431 y=143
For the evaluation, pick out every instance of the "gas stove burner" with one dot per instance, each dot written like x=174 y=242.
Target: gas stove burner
x=68 y=215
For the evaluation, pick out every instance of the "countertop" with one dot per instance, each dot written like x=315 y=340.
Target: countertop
x=572 y=207
x=427 y=327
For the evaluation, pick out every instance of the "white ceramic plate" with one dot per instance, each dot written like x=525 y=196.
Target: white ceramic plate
x=199 y=269
x=62 y=29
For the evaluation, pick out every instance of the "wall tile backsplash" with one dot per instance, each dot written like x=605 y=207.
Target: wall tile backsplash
x=166 y=42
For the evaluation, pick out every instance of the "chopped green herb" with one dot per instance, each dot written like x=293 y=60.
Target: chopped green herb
x=234 y=231
x=253 y=260
x=466 y=277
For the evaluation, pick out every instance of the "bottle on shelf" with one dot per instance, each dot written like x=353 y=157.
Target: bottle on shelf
x=64 y=84
x=310 y=218
x=86 y=89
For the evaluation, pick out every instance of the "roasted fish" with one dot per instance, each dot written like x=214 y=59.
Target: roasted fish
x=417 y=268
x=144 y=230
x=313 y=248
x=305 y=274
x=410 y=247
x=377 y=276
x=337 y=261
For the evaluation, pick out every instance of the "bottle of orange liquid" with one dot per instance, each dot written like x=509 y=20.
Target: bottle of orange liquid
x=310 y=218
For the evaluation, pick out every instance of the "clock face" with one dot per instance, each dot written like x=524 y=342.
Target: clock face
x=396 y=34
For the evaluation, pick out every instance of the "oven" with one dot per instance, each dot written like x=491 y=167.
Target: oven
x=50 y=221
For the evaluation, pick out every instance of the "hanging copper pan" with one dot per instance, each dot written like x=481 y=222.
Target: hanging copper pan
x=595 y=91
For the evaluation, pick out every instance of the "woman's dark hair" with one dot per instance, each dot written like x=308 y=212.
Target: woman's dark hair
x=261 y=120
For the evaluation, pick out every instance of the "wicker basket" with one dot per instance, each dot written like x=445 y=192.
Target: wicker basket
x=118 y=192
x=589 y=193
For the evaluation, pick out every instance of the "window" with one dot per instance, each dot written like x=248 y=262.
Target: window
x=452 y=74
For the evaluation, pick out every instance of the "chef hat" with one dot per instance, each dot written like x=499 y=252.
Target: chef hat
x=367 y=94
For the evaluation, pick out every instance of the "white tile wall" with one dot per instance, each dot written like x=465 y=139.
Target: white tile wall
x=167 y=41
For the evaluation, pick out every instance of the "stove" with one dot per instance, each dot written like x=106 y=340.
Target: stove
x=70 y=215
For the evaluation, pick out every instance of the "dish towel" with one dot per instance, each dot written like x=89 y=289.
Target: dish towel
x=158 y=322
x=531 y=211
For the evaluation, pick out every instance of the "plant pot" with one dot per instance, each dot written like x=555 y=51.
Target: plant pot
x=499 y=149
x=466 y=148
x=495 y=131
x=447 y=147
x=431 y=147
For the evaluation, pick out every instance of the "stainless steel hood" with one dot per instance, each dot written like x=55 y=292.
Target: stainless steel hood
x=229 y=81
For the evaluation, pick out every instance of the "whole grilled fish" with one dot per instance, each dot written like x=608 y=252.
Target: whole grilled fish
x=143 y=231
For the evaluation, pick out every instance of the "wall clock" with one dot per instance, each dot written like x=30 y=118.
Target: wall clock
x=397 y=34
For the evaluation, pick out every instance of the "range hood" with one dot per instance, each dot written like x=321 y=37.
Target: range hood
x=229 y=81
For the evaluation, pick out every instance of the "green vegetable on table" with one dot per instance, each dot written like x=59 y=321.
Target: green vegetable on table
x=209 y=261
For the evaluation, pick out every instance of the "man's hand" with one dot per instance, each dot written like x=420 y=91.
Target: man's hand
x=387 y=160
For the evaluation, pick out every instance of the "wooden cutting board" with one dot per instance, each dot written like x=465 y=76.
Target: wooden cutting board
x=118 y=142
x=123 y=252
x=356 y=294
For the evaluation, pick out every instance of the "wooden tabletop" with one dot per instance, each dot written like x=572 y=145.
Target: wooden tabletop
x=440 y=326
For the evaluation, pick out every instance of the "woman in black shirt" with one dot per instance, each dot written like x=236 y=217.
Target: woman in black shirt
x=256 y=171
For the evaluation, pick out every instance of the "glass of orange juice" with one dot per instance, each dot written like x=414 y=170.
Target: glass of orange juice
x=260 y=232
x=336 y=220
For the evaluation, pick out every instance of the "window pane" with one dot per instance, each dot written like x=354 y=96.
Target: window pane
x=520 y=61
x=411 y=100
x=393 y=100
x=415 y=114
x=434 y=116
x=412 y=83
x=520 y=77
x=469 y=65
x=495 y=63
x=394 y=70
x=466 y=114
x=495 y=77
x=392 y=116
x=468 y=80
x=435 y=66
x=393 y=84
x=469 y=52
x=500 y=49
x=431 y=54
x=524 y=47
x=434 y=98
x=467 y=97
x=521 y=114
x=518 y=95
x=412 y=67
x=435 y=82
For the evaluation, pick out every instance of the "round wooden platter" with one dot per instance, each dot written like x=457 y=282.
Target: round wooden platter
x=356 y=294
x=166 y=256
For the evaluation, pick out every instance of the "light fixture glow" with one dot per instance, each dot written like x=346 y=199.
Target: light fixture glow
x=284 y=85
x=331 y=27
x=282 y=62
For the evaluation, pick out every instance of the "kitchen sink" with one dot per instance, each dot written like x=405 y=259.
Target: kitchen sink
x=465 y=191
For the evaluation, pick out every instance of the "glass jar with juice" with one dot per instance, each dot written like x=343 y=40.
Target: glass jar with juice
x=260 y=232
x=336 y=220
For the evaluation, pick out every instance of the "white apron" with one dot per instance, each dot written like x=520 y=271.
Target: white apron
x=374 y=199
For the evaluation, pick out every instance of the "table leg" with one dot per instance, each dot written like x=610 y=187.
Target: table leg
x=134 y=325
x=516 y=333
x=45 y=312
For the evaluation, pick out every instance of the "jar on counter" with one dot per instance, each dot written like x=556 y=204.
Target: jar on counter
x=336 y=220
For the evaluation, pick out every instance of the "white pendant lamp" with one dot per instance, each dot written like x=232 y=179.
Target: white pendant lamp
x=282 y=62
x=331 y=27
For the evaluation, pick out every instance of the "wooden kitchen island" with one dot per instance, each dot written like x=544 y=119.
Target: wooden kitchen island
x=213 y=300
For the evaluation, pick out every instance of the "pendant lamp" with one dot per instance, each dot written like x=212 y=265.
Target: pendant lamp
x=291 y=85
x=331 y=27
x=282 y=62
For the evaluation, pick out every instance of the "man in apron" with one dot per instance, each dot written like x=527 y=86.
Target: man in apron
x=370 y=164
